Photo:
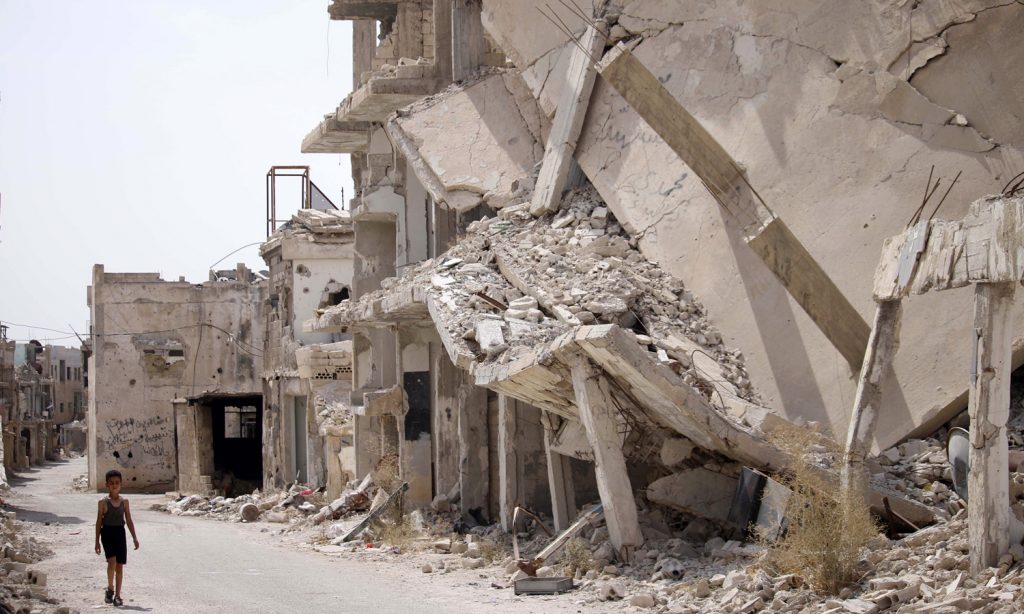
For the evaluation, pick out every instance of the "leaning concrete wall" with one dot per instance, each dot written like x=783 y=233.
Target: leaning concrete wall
x=812 y=99
x=155 y=341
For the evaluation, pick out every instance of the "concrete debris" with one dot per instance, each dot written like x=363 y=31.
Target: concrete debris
x=554 y=274
x=23 y=588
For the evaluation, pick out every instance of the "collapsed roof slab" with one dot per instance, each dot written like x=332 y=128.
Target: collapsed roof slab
x=333 y=136
x=473 y=143
x=382 y=96
x=834 y=160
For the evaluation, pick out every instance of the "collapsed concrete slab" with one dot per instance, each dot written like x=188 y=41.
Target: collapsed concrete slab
x=697 y=491
x=481 y=156
x=768 y=90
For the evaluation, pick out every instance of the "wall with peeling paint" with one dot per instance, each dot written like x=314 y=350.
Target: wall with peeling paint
x=812 y=98
x=155 y=341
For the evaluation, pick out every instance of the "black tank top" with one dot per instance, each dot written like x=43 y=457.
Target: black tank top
x=114 y=515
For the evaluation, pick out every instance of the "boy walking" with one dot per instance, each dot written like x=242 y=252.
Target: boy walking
x=114 y=513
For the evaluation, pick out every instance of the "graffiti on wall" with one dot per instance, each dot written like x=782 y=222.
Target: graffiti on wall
x=133 y=441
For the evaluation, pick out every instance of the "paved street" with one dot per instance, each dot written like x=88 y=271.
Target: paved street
x=198 y=565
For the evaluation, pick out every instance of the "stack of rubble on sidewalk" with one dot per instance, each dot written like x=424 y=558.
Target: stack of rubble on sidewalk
x=296 y=503
x=23 y=589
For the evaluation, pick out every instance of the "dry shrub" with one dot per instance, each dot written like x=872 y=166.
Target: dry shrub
x=576 y=557
x=399 y=532
x=828 y=529
x=492 y=552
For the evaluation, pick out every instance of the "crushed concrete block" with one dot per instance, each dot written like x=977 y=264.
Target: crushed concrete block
x=675 y=450
x=698 y=491
x=490 y=337
x=526 y=302
x=643 y=600
x=611 y=591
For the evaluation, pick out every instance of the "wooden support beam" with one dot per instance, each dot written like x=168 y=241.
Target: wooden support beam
x=565 y=130
x=594 y=401
x=468 y=46
x=988 y=405
x=882 y=346
x=560 y=483
x=780 y=250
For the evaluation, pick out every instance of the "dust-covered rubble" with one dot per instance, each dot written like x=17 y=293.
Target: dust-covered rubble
x=22 y=588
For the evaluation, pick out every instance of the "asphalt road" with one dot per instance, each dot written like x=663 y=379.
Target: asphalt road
x=193 y=565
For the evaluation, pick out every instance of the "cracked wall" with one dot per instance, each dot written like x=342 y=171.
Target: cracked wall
x=139 y=323
x=838 y=146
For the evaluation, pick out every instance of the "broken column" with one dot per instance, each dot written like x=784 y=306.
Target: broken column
x=988 y=406
x=595 y=403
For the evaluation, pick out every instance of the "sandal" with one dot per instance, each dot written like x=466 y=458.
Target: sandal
x=117 y=602
x=108 y=596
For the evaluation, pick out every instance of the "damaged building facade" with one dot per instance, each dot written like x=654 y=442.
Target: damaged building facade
x=175 y=388
x=41 y=393
x=589 y=270
x=306 y=376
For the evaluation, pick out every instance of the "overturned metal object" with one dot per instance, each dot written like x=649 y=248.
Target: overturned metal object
x=543 y=586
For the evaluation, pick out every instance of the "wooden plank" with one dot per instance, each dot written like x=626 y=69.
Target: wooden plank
x=359 y=528
x=565 y=130
x=593 y=515
x=882 y=346
x=989 y=409
x=594 y=402
x=801 y=275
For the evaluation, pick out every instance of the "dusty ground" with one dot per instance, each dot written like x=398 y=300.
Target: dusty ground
x=199 y=565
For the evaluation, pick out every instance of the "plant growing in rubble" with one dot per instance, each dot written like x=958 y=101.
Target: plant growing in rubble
x=828 y=529
x=576 y=557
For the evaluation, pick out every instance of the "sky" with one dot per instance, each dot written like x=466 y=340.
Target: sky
x=137 y=134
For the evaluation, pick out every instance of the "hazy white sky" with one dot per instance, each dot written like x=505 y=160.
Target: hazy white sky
x=137 y=134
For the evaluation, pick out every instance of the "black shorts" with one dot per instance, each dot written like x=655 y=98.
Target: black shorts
x=115 y=544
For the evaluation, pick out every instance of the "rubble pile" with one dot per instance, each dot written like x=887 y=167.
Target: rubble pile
x=583 y=268
x=297 y=503
x=514 y=282
x=919 y=469
x=23 y=589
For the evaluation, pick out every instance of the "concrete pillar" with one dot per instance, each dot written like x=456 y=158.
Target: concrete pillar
x=364 y=44
x=560 y=483
x=593 y=399
x=468 y=45
x=989 y=408
x=444 y=420
x=474 y=464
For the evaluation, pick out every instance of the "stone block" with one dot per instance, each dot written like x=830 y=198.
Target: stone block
x=699 y=491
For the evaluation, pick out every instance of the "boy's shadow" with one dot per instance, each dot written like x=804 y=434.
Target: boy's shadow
x=136 y=608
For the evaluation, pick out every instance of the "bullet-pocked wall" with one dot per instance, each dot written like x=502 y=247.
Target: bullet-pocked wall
x=155 y=341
